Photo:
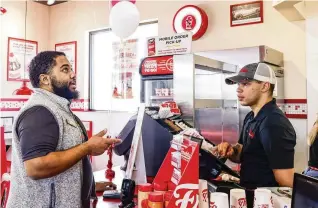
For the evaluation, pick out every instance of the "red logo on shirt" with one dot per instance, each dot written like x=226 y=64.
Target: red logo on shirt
x=251 y=134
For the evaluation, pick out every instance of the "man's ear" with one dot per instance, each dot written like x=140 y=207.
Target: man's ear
x=266 y=87
x=45 y=80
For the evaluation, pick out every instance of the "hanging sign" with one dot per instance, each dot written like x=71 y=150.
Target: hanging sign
x=161 y=65
x=170 y=45
x=192 y=19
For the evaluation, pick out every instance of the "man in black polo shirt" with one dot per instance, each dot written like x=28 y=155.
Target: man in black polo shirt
x=266 y=145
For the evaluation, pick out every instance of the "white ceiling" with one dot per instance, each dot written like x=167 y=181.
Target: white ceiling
x=240 y=56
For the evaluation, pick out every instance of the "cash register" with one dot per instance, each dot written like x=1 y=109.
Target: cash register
x=157 y=134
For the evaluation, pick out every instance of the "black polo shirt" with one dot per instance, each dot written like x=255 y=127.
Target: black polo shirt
x=268 y=143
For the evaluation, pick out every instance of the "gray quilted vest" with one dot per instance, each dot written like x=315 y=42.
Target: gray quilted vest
x=60 y=191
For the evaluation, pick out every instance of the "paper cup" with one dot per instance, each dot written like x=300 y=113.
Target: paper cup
x=262 y=198
x=237 y=198
x=219 y=200
x=203 y=194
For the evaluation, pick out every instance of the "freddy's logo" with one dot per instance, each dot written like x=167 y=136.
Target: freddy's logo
x=187 y=194
x=242 y=202
x=205 y=195
x=213 y=205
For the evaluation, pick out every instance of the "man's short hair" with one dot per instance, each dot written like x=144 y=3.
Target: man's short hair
x=42 y=63
x=271 y=89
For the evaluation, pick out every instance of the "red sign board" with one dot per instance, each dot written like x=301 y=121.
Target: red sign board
x=180 y=168
x=161 y=65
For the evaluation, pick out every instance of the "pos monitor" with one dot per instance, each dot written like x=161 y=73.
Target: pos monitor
x=156 y=142
x=305 y=192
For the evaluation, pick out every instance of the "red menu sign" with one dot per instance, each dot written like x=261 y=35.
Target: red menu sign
x=160 y=65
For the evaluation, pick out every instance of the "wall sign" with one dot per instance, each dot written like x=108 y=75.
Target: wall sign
x=247 y=13
x=161 y=65
x=192 y=19
x=70 y=50
x=170 y=45
x=19 y=55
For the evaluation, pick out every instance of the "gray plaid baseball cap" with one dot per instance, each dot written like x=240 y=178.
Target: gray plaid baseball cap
x=255 y=71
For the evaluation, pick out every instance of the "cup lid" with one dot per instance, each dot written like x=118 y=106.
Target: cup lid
x=147 y=187
x=155 y=197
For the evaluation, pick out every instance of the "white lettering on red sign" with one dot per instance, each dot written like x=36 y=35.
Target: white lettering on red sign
x=190 y=195
x=150 y=66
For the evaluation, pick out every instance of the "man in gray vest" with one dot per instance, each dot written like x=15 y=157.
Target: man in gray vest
x=50 y=148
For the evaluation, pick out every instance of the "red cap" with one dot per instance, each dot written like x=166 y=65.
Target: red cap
x=168 y=195
x=160 y=186
x=171 y=186
x=155 y=197
x=147 y=187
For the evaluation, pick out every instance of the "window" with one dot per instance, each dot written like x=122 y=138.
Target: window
x=114 y=68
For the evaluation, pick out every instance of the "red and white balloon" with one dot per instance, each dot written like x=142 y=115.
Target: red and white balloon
x=191 y=18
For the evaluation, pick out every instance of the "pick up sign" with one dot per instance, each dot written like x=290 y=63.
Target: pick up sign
x=160 y=65
x=179 y=43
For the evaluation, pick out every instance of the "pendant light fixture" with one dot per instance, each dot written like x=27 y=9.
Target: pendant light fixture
x=24 y=90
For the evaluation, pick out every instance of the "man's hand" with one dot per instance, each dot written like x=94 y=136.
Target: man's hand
x=57 y=162
x=231 y=152
x=103 y=186
x=97 y=145
x=225 y=149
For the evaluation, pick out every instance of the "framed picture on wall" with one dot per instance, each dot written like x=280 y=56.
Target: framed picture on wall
x=246 y=13
x=70 y=50
x=7 y=123
x=19 y=55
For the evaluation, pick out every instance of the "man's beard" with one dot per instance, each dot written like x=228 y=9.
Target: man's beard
x=63 y=90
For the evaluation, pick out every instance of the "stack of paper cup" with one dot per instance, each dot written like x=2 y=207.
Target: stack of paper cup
x=219 y=200
x=237 y=198
x=262 y=198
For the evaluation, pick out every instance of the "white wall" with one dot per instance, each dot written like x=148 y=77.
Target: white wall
x=114 y=122
x=312 y=72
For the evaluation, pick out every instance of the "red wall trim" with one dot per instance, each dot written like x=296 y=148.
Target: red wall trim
x=15 y=104
x=293 y=108
x=296 y=101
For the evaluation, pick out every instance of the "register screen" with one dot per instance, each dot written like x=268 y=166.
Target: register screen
x=305 y=193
